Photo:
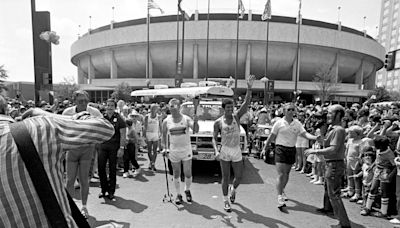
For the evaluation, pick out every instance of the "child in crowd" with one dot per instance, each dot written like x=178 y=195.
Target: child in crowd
x=301 y=145
x=368 y=156
x=355 y=135
x=383 y=171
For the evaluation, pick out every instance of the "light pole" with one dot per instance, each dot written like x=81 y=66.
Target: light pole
x=265 y=80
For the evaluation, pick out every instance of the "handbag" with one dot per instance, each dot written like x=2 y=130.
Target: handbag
x=40 y=180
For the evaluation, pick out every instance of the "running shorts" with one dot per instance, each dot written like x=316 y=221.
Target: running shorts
x=152 y=137
x=178 y=156
x=285 y=154
x=82 y=154
x=231 y=154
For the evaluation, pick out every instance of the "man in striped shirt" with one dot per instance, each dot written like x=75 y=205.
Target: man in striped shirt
x=20 y=205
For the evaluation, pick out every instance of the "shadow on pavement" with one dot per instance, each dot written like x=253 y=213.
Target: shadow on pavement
x=122 y=203
x=311 y=209
x=107 y=223
x=206 y=212
x=250 y=216
x=205 y=172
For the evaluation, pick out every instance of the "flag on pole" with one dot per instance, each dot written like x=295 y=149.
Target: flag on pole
x=241 y=9
x=267 y=11
x=152 y=5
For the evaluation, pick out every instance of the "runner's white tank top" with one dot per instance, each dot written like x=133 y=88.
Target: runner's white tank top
x=230 y=134
x=179 y=137
x=153 y=125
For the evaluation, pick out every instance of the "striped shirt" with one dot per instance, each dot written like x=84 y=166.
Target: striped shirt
x=20 y=205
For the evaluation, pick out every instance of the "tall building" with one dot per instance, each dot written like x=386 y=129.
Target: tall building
x=389 y=37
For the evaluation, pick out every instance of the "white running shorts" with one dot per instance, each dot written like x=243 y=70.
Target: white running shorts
x=231 y=154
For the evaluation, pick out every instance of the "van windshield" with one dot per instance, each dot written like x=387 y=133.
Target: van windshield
x=204 y=111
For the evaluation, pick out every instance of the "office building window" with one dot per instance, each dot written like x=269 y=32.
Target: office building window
x=385 y=12
x=395 y=82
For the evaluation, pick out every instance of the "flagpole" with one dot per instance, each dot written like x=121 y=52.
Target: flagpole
x=208 y=37
x=177 y=43
x=148 y=42
x=183 y=39
x=266 y=49
x=237 y=48
x=297 y=54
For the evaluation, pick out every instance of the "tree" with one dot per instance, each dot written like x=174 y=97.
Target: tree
x=325 y=82
x=65 y=89
x=3 y=76
x=379 y=94
x=122 y=92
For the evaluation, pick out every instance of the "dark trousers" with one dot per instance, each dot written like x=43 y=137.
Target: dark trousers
x=108 y=152
x=334 y=173
x=398 y=194
x=130 y=156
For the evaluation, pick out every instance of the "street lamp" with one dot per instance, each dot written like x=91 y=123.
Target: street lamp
x=265 y=80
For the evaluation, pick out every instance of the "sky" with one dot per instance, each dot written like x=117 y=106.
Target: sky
x=71 y=18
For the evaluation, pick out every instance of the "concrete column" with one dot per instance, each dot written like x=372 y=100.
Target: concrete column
x=113 y=66
x=112 y=24
x=360 y=75
x=91 y=71
x=195 y=61
x=250 y=15
x=371 y=80
x=294 y=67
x=82 y=79
x=196 y=15
x=336 y=68
x=248 y=62
x=340 y=26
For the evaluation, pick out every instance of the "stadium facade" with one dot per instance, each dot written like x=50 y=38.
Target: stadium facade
x=116 y=53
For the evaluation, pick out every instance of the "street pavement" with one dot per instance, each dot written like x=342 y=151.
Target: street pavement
x=139 y=201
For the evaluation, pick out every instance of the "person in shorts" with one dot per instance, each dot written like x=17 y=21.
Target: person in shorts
x=152 y=133
x=78 y=161
x=284 y=133
x=230 y=153
x=176 y=140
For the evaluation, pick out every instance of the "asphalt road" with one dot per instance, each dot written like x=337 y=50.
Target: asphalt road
x=139 y=201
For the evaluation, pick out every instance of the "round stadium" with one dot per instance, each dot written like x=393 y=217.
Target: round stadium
x=116 y=53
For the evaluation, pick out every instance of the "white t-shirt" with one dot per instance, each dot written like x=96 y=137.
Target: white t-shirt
x=286 y=134
x=92 y=111
x=179 y=137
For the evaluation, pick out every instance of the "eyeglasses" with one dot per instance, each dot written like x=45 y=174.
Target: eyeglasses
x=290 y=109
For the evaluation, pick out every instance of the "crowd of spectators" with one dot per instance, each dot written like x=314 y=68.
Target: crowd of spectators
x=372 y=145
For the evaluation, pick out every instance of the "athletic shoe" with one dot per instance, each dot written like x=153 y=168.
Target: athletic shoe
x=310 y=175
x=284 y=196
x=85 y=212
x=188 y=196
x=354 y=198
x=319 y=182
x=102 y=195
x=360 y=201
x=365 y=212
x=232 y=194
x=178 y=200
x=125 y=175
x=227 y=206
x=395 y=221
x=313 y=180
x=137 y=172
x=111 y=196
x=302 y=171
x=380 y=215
x=281 y=202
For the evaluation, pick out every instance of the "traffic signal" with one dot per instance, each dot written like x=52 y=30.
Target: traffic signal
x=390 y=61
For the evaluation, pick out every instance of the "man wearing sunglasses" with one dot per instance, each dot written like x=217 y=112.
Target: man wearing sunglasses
x=284 y=134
